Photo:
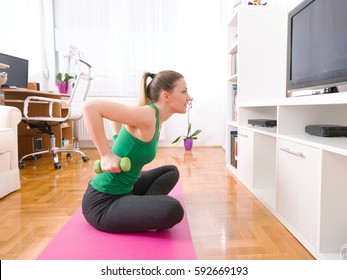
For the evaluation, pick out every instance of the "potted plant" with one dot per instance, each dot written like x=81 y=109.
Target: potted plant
x=64 y=78
x=189 y=137
x=63 y=82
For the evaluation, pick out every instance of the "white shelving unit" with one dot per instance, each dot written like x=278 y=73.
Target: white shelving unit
x=300 y=178
x=260 y=61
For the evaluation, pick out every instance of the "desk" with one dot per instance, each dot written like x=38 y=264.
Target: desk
x=16 y=97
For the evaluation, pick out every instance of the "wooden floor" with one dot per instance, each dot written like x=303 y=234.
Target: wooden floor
x=226 y=220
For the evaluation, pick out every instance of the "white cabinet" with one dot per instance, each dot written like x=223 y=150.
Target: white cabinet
x=255 y=58
x=300 y=178
x=298 y=187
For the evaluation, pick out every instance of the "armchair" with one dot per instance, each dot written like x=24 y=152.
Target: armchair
x=45 y=123
x=10 y=117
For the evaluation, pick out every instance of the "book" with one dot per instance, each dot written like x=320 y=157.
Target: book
x=233 y=64
x=234 y=112
x=233 y=148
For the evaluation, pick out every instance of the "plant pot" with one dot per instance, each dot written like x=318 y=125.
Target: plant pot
x=63 y=87
x=188 y=144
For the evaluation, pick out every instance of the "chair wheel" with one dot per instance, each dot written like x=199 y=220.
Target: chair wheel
x=68 y=155
x=21 y=165
x=85 y=159
x=57 y=165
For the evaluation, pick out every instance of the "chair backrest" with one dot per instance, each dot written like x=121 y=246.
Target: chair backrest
x=79 y=92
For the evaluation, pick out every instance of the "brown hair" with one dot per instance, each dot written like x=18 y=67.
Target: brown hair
x=163 y=80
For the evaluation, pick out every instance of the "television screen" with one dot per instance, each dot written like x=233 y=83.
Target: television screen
x=317 y=45
x=17 y=74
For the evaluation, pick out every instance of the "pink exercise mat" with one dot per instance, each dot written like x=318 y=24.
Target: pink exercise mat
x=77 y=240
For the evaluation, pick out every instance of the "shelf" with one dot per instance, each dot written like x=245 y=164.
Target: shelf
x=269 y=131
x=293 y=119
x=311 y=207
x=232 y=123
x=233 y=78
x=233 y=19
x=233 y=48
x=324 y=99
x=257 y=112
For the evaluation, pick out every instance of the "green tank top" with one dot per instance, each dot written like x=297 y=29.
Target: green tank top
x=139 y=153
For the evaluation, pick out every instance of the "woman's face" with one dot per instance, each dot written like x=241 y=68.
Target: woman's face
x=179 y=97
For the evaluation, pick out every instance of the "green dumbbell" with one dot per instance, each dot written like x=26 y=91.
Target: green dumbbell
x=124 y=164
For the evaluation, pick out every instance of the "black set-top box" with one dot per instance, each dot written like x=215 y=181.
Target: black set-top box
x=326 y=130
x=263 y=122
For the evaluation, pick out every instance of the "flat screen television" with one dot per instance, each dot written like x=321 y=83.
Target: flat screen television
x=17 y=74
x=317 y=45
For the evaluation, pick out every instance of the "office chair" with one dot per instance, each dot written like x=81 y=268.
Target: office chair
x=44 y=124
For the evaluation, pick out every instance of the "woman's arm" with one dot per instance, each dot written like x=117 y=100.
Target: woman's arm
x=95 y=110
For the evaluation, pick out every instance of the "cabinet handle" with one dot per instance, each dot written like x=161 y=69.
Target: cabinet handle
x=298 y=154
x=243 y=135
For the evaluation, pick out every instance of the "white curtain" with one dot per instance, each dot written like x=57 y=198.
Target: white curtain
x=121 y=39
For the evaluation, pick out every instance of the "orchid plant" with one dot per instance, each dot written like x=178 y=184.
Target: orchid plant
x=66 y=77
x=189 y=134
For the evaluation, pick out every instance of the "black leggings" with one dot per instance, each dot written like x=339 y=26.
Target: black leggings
x=147 y=207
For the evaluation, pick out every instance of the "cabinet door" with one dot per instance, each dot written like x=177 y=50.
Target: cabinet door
x=245 y=157
x=298 y=184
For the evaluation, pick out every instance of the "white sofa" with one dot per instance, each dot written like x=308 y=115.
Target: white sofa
x=9 y=171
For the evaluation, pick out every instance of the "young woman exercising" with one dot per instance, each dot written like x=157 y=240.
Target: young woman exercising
x=117 y=201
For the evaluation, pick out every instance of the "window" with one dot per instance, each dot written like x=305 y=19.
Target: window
x=120 y=39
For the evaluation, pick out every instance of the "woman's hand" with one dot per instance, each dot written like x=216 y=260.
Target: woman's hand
x=110 y=163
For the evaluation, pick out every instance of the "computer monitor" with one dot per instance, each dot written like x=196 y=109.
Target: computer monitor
x=17 y=74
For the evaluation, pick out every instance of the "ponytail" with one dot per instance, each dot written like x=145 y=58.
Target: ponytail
x=164 y=80
x=143 y=98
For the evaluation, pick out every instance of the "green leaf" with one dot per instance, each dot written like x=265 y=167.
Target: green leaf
x=177 y=140
x=67 y=77
x=189 y=128
x=59 y=77
x=195 y=133
x=188 y=135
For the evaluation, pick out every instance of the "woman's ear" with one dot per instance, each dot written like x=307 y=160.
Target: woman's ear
x=166 y=97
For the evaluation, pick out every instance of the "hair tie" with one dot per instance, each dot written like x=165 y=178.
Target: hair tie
x=152 y=75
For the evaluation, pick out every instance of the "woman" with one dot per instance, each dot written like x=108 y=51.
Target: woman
x=117 y=201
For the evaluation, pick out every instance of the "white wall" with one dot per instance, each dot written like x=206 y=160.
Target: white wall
x=203 y=65
x=205 y=71
x=20 y=33
x=293 y=3
x=202 y=68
